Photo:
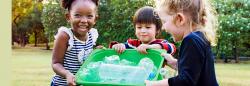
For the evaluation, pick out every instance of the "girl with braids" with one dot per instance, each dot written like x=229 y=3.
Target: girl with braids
x=194 y=23
x=73 y=45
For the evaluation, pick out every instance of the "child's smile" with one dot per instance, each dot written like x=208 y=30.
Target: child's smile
x=82 y=16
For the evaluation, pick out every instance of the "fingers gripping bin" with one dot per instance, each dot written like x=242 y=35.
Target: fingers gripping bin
x=93 y=72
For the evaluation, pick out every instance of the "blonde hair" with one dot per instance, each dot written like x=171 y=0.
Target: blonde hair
x=201 y=13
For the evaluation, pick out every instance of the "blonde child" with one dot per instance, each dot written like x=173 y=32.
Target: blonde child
x=192 y=22
x=73 y=45
x=147 y=25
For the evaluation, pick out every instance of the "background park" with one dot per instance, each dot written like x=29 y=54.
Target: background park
x=35 y=22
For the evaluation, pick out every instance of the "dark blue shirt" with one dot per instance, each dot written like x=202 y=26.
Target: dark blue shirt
x=195 y=63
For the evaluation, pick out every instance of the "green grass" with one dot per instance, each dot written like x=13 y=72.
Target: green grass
x=32 y=67
x=233 y=74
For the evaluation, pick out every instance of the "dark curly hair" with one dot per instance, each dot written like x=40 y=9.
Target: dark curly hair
x=66 y=4
x=147 y=15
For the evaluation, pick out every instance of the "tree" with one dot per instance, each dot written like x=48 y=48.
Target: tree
x=52 y=18
x=234 y=20
x=20 y=15
x=116 y=16
x=37 y=27
x=26 y=20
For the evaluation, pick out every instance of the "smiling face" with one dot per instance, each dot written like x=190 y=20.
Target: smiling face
x=82 y=16
x=145 y=32
x=170 y=26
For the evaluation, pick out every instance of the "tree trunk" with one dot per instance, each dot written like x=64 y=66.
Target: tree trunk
x=12 y=40
x=23 y=41
x=217 y=49
x=35 y=39
x=47 y=44
x=235 y=52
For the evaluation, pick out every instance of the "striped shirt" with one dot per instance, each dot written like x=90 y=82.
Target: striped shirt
x=71 y=58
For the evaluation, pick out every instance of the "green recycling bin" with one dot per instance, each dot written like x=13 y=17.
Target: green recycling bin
x=129 y=55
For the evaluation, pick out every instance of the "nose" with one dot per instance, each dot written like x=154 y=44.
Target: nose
x=83 y=19
x=143 y=30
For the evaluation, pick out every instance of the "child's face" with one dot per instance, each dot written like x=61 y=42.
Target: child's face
x=170 y=27
x=145 y=32
x=82 y=16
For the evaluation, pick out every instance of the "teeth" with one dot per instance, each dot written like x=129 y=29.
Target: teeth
x=83 y=27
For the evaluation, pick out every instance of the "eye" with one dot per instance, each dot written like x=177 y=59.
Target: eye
x=139 y=27
x=90 y=16
x=77 y=15
x=148 y=27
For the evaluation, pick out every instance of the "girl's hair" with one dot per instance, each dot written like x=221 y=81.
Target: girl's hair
x=66 y=4
x=147 y=15
x=200 y=13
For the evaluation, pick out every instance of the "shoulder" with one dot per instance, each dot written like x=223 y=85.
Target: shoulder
x=197 y=38
x=94 y=34
x=195 y=41
x=63 y=34
x=93 y=31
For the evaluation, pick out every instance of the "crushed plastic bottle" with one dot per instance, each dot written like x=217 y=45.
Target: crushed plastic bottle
x=114 y=59
x=126 y=62
x=122 y=73
x=147 y=64
x=152 y=75
x=91 y=72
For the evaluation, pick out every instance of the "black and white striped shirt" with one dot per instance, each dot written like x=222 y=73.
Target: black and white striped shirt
x=71 y=61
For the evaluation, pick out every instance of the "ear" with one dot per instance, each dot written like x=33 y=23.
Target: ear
x=96 y=17
x=180 y=19
x=67 y=16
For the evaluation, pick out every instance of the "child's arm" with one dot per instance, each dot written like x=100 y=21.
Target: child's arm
x=143 y=47
x=171 y=61
x=60 y=47
x=169 y=47
x=163 y=82
x=173 y=64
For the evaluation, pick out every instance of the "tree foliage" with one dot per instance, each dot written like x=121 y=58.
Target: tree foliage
x=115 y=22
x=25 y=19
x=52 y=18
x=234 y=20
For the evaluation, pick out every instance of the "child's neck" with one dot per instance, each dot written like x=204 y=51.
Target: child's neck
x=188 y=31
x=82 y=37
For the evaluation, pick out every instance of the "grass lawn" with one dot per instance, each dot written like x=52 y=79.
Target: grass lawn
x=31 y=67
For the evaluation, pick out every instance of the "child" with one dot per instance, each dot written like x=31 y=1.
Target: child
x=73 y=45
x=147 y=25
x=189 y=21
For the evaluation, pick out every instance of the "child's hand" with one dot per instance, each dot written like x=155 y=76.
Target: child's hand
x=142 y=48
x=119 y=47
x=100 y=47
x=163 y=82
x=170 y=60
x=70 y=79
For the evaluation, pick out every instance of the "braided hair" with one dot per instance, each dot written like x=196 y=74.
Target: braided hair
x=66 y=4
